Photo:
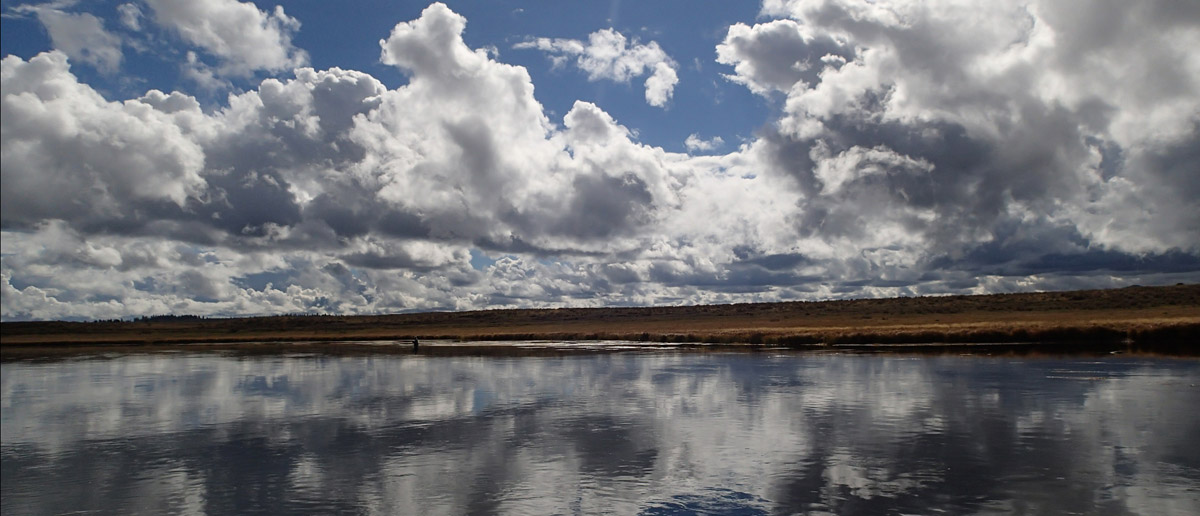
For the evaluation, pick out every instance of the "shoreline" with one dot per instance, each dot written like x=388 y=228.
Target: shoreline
x=1153 y=319
x=559 y=348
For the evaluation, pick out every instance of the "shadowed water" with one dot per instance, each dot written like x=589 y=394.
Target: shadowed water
x=617 y=433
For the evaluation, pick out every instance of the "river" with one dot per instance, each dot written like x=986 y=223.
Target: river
x=631 y=432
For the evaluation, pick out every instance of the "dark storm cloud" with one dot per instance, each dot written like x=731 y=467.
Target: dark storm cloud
x=350 y=219
x=605 y=205
x=200 y=287
x=776 y=262
x=737 y=277
x=620 y=274
x=968 y=182
x=243 y=203
x=987 y=259
x=389 y=260
x=778 y=54
x=348 y=281
x=1004 y=177
x=479 y=155
x=514 y=244
x=1177 y=164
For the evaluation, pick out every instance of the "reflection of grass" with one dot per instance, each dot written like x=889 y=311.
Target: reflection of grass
x=1137 y=316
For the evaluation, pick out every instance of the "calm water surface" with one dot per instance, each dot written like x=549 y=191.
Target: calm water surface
x=615 y=433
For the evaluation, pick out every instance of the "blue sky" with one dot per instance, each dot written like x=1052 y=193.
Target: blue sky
x=221 y=157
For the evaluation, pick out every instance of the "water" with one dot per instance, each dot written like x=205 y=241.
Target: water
x=606 y=433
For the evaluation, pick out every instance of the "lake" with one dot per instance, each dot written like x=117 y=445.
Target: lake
x=632 y=432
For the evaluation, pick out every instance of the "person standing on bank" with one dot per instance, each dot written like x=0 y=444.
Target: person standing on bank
x=415 y=344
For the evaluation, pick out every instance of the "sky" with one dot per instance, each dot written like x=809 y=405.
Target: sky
x=226 y=158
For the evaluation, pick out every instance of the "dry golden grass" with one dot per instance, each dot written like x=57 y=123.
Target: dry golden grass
x=1142 y=316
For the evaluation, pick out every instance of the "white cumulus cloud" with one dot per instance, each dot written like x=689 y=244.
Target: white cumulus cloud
x=83 y=37
x=609 y=55
x=695 y=143
x=244 y=38
x=71 y=154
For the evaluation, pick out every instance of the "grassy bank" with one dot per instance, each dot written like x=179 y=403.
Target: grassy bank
x=1137 y=317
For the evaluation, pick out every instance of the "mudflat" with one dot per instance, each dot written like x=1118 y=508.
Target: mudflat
x=1150 y=318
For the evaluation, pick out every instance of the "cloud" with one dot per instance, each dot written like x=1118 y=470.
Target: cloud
x=244 y=38
x=83 y=37
x=776 y=55
x=70 y=154
x=910 y=151
x=435 y=146
x=131 y=16
x=957 y=128
x=609 y=55
x=203 y=75
x=661 y=85
x=694 y=143
x=325 y=167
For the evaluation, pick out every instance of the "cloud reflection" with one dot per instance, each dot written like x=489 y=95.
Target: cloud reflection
x=672 y=433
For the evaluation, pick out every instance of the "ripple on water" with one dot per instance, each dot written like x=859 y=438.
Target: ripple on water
x=606 y=433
